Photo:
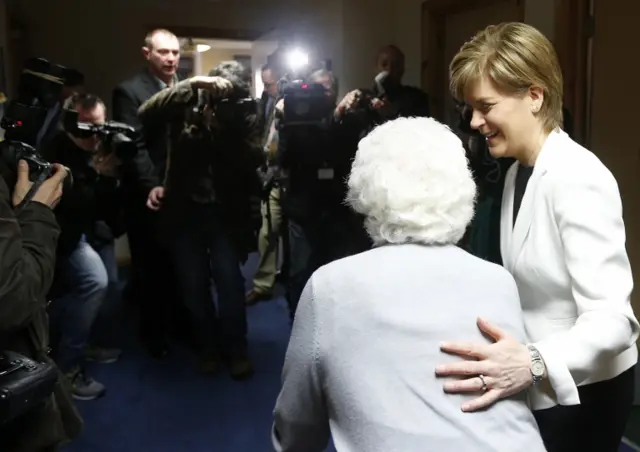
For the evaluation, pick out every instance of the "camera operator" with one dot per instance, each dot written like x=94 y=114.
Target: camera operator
x=82 y=279
x=272 y=222
x=389 y=98
x=28 y=239
x=316 y=159
x=211 y=195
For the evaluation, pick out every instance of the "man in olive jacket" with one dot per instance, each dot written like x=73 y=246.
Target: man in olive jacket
x=210 y=186
x=28 y=237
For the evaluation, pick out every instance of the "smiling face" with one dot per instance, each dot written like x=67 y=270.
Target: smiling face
x=510 y=76
x=508 y=122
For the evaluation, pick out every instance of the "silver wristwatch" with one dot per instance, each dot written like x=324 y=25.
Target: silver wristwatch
x=538 y=369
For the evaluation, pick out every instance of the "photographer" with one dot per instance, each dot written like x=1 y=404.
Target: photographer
x=82 y=282
x=316 y=158
x=388 y=99
x=28 y=238
x=211 y=188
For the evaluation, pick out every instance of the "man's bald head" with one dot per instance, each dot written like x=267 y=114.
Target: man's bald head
x=391 y=59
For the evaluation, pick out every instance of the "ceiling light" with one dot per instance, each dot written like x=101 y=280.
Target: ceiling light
x=202 y=47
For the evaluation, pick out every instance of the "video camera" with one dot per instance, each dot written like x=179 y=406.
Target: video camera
x=39 y=90
x=230 y=109
x=306 y=104
x=115 y=136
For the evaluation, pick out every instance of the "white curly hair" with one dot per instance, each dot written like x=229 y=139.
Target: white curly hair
x=411 y=180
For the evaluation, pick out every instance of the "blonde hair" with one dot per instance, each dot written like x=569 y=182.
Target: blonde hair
x=515 y=57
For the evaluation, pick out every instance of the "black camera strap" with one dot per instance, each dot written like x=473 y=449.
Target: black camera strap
x=32 y=191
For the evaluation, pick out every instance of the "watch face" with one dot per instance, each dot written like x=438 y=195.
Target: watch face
x=537 y=368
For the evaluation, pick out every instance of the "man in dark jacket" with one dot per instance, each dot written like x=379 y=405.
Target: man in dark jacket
x=402 y=100
x=211 y=176
x=28 y=240
x=81 y=284
x=151 y=284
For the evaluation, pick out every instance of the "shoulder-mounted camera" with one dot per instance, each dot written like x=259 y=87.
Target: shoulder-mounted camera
x=116 y=137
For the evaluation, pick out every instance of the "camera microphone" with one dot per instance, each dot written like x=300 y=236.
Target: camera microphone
x=379 y=84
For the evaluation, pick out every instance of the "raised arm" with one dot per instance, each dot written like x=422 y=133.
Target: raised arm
x=170 y=103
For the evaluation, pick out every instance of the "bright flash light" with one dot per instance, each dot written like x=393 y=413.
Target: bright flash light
x=297 y=59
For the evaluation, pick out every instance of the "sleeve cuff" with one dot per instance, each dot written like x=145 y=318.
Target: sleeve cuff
x=558 y=374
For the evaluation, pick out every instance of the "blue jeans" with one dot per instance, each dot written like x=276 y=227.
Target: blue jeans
x=103 y=333
x=202 y=253
x=86 y=281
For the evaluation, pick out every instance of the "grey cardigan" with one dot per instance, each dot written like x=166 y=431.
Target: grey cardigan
x=365 y=343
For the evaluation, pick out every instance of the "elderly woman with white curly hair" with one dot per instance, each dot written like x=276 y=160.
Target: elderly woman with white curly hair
x=368 y=329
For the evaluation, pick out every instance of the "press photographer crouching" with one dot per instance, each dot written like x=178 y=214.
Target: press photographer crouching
x=93 y=151
x=210 y=203
x=36 y=412
x=315 y=153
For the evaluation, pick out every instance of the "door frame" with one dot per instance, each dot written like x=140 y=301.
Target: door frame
x=573 y=44
x=434 y=14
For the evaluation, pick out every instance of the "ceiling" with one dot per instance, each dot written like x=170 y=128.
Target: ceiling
x=227 y=44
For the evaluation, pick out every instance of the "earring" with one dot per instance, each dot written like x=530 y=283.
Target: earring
x=534 y=109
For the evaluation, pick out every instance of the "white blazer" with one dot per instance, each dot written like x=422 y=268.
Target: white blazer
x=567 y=254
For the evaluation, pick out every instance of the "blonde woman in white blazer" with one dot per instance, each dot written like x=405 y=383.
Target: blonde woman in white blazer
x=563 y=240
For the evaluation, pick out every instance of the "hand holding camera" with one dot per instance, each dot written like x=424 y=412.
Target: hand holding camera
x=49 y=193
x=217 y=86
x=349 y=102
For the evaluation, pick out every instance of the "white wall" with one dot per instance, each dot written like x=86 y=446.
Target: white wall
x=260 y=51
x=408 y=36
x=367 y=25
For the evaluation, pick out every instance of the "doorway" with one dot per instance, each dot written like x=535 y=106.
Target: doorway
x=199 y=55
x=203 y=48
x=446 y=25
x=613 y=129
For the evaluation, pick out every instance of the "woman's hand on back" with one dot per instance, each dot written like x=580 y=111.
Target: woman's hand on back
x=499 y=370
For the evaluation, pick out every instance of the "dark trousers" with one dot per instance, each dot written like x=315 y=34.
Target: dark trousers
x=152 y=282
x=328 y=235
x=597 y=424
x=204 y=253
